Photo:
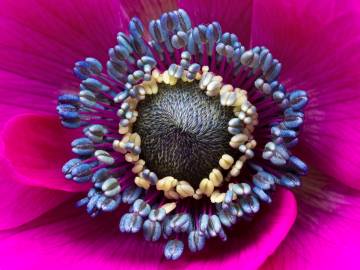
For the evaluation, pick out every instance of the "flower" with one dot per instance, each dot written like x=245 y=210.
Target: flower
x=41 y=225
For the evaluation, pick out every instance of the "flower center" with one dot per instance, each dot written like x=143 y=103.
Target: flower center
x=183 y=132
x=190 y=129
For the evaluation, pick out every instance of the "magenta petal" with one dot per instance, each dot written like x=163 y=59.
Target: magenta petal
x=250 y=244
x=37 y=146
x=318 y=43
x=24 y=95
x=326 y=237
x=46 y=39
x=21 y=203
x=147 y=10
x=234 y=16
x=70 y=238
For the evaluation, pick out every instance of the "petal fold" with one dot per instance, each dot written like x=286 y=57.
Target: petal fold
x=22 y=203
x=36 y=147
x=326 y=234
x=71 y=238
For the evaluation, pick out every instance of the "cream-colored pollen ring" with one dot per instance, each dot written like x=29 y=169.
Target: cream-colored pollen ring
x=175 y=189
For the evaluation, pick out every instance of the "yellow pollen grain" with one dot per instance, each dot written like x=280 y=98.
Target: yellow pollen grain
x=206 y=187
x=216 y=177
x=169 y=207
x=184 y=189
x=141 y=182
x=226 y=161
x=166 y=183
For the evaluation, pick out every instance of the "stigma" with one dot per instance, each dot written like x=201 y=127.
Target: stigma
x=187 y=127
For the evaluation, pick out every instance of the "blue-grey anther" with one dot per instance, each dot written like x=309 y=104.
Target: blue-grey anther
x=100 y=176
x=229 y=39
x=214 y=226
x=84 y=69
x=141 y=207
x=152 y=230
x=284 y=133
x=299 y=166
x=130 y=223
x=228 y=196
x=213 y=34
x=157 y=214
x=179 y=40
x=263 y=180
x=236 y=210
x=277 y=154
x=176 y=71
x=235 y=126
x=110 y=204
x=225 y=50
x=289 y=180
x=87 y=98
x=250 y=205
x=81 y=172
x=261 y=194
x=293 y=120
x=83 y=146
x=192 y=70
x=135 y=27
x=68 y=112
x=204 y=222
x=93 y=85
x=273 y=72
x=180 y=222
x=298 y=99
x=166 y=227
x=120 y=53
x=264 y=87
x=111 y=187
x=184 y=20
x=139 y=45
x=241 y=189
x=266 y=60
x=226 y=218
x=131 y=194
x=173 y=249
x=69 y=99
x=155 y=31
x=95 y=132
x=69 y=166
x=196 y=241
x=169 y=21
x=248 y=58
x=123 y=40
x=149 y=175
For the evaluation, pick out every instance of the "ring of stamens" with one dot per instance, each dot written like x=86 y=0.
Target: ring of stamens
x=131 y=75
x=241 y=127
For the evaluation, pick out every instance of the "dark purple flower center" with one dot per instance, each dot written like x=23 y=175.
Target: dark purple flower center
x=183 y=132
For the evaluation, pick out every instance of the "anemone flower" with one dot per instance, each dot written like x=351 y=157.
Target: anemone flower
x=222 y=134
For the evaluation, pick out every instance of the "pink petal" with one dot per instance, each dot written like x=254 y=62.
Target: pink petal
x=25 y=95
x=148 y=10
x=234 y=16
x=69 y=238
x=41 y=40
x=21 y=203
x=326 y=235
x=37 y=146
x=318 y=43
